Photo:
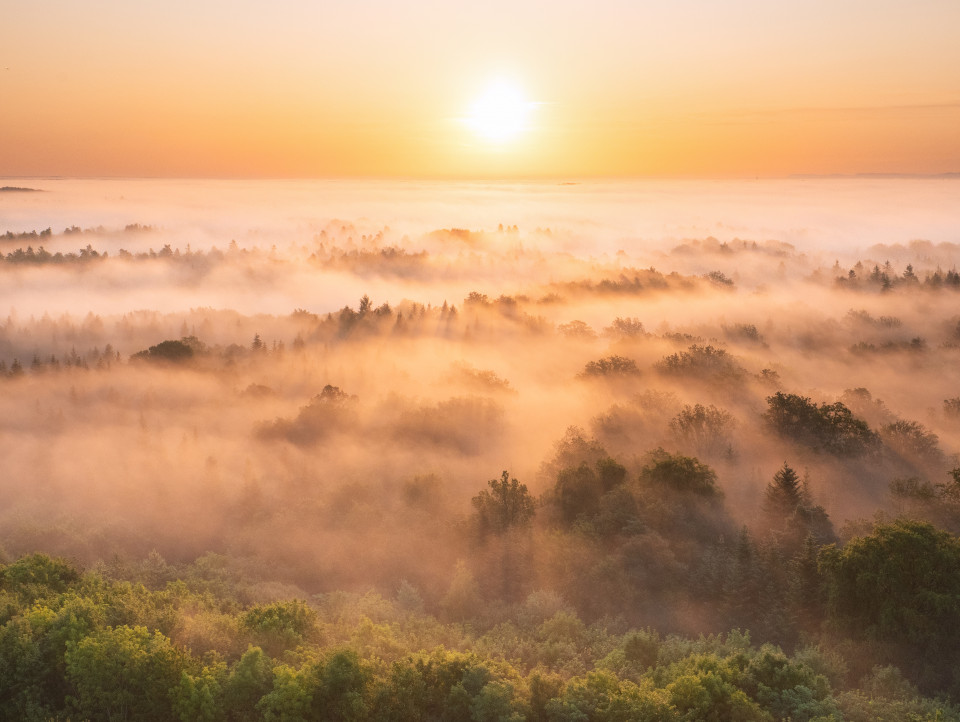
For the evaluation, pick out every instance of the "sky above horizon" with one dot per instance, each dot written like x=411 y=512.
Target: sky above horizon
x=295 y=88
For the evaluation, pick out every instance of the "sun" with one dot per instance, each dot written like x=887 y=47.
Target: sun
x=501 y=113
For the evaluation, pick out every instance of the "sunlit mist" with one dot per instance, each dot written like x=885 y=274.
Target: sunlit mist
x=362 y=421
x=486 y=361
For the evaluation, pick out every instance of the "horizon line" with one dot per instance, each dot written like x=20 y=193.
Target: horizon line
x=560 y=179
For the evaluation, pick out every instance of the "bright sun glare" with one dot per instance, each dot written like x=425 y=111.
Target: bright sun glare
x=501 y=113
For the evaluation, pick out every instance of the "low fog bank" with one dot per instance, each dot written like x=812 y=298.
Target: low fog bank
x=309 y=441
x=593 y=216
x=327 y=399
x=137 y=267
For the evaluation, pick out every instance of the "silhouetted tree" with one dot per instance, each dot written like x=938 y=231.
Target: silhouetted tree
x=170 y=351
x=683 y=474
x=625 y=328
x=506 y=505
x=828 y=427
x=578 y=490
x=791 y=515
x=911 y=440
x=706 y=363
x=706 y=428
x=611 y=366
x=783 y=495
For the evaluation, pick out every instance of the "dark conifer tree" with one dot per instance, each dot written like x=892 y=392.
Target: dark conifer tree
x=784 y=495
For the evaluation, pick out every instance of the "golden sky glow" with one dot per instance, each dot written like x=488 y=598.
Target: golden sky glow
x=376 y=88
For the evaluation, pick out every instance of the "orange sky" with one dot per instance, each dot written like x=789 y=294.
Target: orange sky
x=300 y=88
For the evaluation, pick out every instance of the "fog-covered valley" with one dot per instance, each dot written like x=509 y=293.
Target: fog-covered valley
x=331 y=388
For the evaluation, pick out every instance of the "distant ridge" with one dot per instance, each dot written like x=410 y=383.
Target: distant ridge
x=15 y=189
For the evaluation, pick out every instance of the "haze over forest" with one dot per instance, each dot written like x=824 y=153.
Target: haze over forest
x=548 y=432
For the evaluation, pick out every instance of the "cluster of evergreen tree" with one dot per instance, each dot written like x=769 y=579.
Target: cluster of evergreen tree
x=885 y=278
x=42 y=256
x=94 y=358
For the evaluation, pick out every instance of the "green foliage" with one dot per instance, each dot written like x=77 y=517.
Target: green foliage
x=889 y=682
x=790 y=513
x=680 y=474
x=788 y=688
x=495 y=703
x=289 y=699
x=784 y=494
x=936 y=503
x=63 y=654
x=913 y=489
x=727 y=682
x=124 y=672
x=856 y=706
x=340 y=688
x=805 y=587
x=707 y=696
x=601 y=696
x=635 y=656
x=641 y=648
x=199 y=697
x=281 y=625
x=675 y=497
x=830 y=428
x=444 y=685
x=563 y=627
x=37 y=576
x=250 y=679
x=578 y=491
x=900 y=585
x=32 y=647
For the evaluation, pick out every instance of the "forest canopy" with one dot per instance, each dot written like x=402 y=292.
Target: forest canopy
x=261 y=463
